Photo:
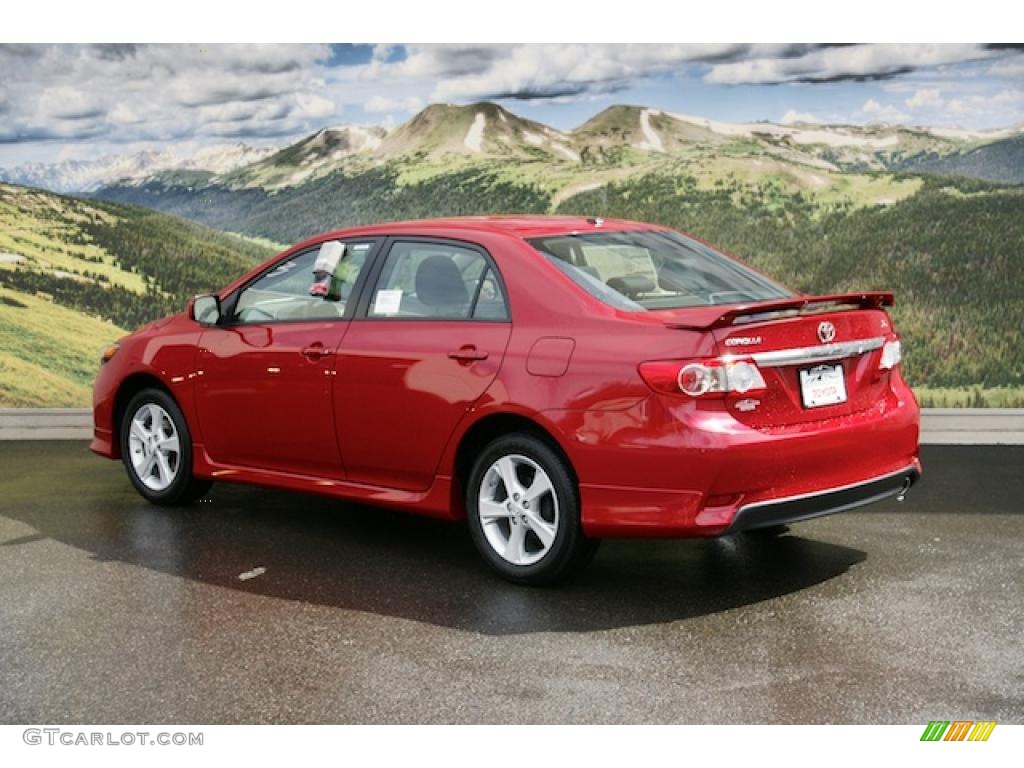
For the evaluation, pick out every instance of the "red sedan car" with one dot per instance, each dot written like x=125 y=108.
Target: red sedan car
x=552 y=380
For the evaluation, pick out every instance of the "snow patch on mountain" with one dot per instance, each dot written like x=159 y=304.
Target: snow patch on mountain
x=963 y=135
x=474 y=140
x=652 y=140
x=223 y=158
x=90 y=175
x=564 y=150
x=362 y=139
x=832 y=137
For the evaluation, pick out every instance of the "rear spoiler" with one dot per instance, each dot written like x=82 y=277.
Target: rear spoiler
x=705 y=318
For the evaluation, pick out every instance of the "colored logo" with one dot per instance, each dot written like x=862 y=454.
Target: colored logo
x=958 y=730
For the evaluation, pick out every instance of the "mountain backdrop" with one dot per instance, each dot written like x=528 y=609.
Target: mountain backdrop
x=936 y=215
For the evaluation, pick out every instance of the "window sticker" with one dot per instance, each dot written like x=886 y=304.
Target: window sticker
x=388 y=301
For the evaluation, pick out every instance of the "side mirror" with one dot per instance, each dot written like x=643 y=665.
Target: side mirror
x=205 y=309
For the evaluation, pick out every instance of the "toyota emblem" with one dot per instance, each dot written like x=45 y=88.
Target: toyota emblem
x=826 y=331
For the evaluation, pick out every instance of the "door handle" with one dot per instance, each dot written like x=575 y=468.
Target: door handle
x=316 y=351
x=467 y=354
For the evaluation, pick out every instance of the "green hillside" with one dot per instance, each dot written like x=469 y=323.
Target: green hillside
x=74 y=274
x=953 y=252
x=1001 y=161
x=823 y=208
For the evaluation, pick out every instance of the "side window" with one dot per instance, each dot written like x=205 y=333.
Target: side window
x=437 y=280
x=312 y=285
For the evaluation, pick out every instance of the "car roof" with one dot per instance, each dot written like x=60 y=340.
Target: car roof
x=516 y=226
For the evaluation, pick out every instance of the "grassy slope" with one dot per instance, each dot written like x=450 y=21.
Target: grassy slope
x=77 y=273
x=48 y=353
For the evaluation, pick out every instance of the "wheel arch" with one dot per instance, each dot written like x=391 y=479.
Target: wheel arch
x=483 y=431
x=126 y=390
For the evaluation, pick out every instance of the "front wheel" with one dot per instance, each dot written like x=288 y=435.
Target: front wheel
x=156 y=449
x=523 y=511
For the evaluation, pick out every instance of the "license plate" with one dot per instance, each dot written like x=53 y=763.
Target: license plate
x=822 y=385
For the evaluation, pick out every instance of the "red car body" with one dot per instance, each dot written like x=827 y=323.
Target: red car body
x=390 y=412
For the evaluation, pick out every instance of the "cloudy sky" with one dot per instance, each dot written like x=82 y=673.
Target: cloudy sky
x=80 y=102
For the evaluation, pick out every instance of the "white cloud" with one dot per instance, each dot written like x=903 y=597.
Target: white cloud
x=132 y=94
x=65 y=102
x=1014 y=96
x=380 y=103
x=1006 y=103
x=851 y=62
x=883 y=112
x=1010 y=68
x=925 y=98
x=957 y=106
x=129 y=93
x=793 y=116
x=311 y=105
x=522 y=71
x=123 y=114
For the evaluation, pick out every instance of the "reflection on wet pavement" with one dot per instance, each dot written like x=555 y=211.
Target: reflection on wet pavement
x=670 y=630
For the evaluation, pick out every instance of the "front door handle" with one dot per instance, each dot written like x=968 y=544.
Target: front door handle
x=467 y=354
x=315 y=351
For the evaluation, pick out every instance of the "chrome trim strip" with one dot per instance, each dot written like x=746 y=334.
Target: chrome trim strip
x=910 y=468
x=800 y=355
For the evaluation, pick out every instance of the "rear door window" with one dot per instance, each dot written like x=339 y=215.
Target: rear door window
x=422 y=279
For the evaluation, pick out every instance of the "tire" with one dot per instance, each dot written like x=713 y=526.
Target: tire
x=156 y=449
x=539 y=545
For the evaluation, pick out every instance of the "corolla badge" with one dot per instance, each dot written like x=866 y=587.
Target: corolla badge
x=742 y=341
x=826 y=331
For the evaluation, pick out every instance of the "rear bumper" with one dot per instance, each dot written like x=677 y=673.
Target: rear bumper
x=705 y=474
x=809 y=505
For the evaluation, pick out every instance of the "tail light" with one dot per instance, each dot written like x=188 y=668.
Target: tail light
x=703 y=378
x=892 y=354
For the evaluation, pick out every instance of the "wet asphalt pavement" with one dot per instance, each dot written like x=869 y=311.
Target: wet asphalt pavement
x=114 y=611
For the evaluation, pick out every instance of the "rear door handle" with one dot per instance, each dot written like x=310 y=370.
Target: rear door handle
x=467 y=354
x=316 y=351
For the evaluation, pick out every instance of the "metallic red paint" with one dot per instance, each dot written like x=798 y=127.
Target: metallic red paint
x=379 y=418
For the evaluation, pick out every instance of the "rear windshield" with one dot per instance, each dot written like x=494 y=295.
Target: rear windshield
x=638 y=271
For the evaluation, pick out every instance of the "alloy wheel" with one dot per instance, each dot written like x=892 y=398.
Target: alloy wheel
x=518 y=509
x=154 y=447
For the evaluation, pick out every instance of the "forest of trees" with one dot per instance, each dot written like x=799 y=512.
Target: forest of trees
x=176 y=259
x=953 y=252
x=340 y=200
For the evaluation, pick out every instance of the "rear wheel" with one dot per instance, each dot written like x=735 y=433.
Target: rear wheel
x=524 y=513
x=156 y=449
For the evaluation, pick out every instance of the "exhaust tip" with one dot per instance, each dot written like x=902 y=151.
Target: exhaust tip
x=907 y=482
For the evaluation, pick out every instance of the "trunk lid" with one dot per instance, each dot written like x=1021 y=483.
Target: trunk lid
x=802 y=334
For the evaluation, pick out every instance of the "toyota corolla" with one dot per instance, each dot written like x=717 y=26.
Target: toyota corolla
x=551 y=380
